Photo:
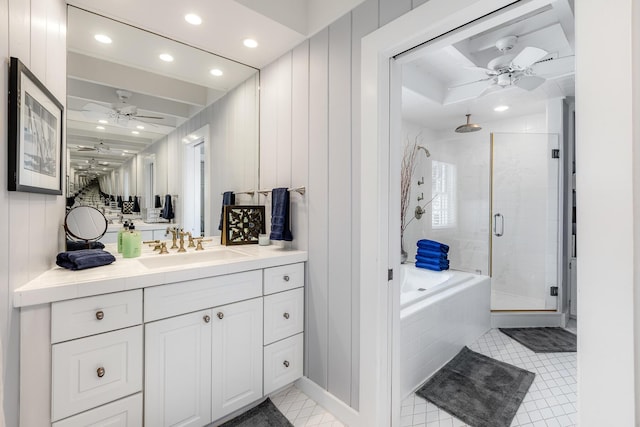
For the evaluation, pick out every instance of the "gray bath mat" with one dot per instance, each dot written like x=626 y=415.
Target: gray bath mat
x=479 y=390
x=264 y=415
x=543 y=340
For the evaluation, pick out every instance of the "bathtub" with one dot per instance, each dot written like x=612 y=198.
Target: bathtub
x=440 y=312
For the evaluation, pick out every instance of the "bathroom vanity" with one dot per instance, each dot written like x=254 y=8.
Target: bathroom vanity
x=161 y=340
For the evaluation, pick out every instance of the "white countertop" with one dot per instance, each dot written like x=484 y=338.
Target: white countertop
x=129 y=273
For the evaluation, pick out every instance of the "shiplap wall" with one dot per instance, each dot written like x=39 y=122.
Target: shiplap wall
x=309 y=135
x=35 y=32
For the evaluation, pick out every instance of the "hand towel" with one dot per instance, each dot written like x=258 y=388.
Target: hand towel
x=85 y=258
x=436 y=254
x=228 y=198
x=280 y=222
x=119 y=199
x=432 y=245
x=136 y=204
x=157 y=203
x=167 y=211
x=430 y=266
x=76 y=246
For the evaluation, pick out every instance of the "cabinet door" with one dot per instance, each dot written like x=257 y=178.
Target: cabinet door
x=237 y=356
x=178 y=371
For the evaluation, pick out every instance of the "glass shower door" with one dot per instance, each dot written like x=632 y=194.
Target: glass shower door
x=524 y=221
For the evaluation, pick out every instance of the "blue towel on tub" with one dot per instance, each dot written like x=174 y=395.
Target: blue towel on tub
x=84 y=258
x=436 y=261
x=432 y=245
x=431 y=254
x=430 y=266
x=280 y=223
x=228 y=198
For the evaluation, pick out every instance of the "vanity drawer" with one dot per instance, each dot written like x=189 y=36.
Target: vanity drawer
x=184 y=297
x=283 y=278
x=92 y=371
x=82 y=317
x=125 y=412
x=282 y=363
x=283 y=315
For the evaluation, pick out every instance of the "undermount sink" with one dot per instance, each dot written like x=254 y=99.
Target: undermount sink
x=178 y=259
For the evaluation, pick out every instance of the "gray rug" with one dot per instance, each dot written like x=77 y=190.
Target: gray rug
x=264 y=415
x=543 y=340
x=479 y=390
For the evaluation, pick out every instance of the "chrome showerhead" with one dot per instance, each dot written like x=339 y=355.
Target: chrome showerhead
x=468 y=127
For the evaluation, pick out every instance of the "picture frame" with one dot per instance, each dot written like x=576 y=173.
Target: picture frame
x=242 y=224
x=35 y=131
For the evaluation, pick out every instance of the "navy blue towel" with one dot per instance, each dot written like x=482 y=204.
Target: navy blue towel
x=431 y=254
x=280 y=223
x=136 y=204
x=119 y=202
x=85 y=258
x=76 y=246
x=157 y=202
x=434 y=261
x=167 y=211
x=432 y=245
x=228 y=198
x=433 y=267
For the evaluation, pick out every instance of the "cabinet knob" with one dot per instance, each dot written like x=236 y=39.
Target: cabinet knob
x=100 y=372
x=220 y=315
x=286 y=363
x=206 y=318
x=99 y=314
x=285 y=315
x=286 y=278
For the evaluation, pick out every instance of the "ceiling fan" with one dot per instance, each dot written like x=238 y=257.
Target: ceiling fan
x=527 y=70
x=122 y=113
x=100 y=148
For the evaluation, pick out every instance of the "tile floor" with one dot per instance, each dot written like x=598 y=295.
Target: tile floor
x=550 y=402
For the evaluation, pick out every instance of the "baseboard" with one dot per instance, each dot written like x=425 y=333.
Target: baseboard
x=527 y=318
x=342 y=411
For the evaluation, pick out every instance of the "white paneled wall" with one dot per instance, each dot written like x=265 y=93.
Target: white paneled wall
x=31 y=223
x=309 y=135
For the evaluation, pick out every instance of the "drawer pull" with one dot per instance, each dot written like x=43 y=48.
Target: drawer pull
x=286 y=278
x=220 y=315
x=206 y=318
x=286 y=363
x=100 y=372
x=285 y=315
x=99 y=314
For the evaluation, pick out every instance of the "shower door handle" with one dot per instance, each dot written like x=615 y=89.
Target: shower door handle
x=497 y=217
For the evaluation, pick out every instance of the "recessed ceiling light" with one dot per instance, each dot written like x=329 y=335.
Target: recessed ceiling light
x=501 y=108
x=100 y=127
x=104 y=122
x=103 y=38
x=135 y=132
x=250 y=43
x=216 y=72
x=193 y=19
x=125 y=151
x=166 y=57
x=140 y=127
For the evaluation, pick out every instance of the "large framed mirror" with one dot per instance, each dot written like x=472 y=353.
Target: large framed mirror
x=137 y=100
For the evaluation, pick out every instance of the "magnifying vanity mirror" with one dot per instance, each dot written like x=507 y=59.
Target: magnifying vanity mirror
x=85 y=224
x=152 y=118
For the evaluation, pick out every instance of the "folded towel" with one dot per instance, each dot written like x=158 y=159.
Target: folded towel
x=157 y=203
x=430 y=266
x=430 y=260
x=85 y=258
x=136 y=204
x=167 y=211
x=76 y=246
x=430 y=253
x=280 y=223
x=228 y=198
x=119 y=202
x=432 y=245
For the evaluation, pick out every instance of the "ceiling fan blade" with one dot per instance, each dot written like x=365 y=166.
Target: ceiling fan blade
x=529 y=82
x=556 y=67
x=87 y=148
x=467 y=91
x=484 y=70
x=529 y=56
x=92 y=106
x=148 y=117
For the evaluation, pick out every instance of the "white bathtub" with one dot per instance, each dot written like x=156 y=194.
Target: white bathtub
x=440 y=313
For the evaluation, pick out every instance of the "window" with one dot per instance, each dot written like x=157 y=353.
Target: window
x=443 y=191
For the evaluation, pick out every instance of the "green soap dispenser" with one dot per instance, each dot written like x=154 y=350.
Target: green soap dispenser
x=131 y=243
x=124 y=229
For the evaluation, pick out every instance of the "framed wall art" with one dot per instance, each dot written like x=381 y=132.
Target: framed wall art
x=242 y=224
x=35 y=134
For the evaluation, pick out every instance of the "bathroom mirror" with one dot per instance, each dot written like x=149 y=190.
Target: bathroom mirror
x=133 y=103
x=85 y=223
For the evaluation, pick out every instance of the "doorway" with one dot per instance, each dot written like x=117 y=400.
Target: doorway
x=196 y=183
